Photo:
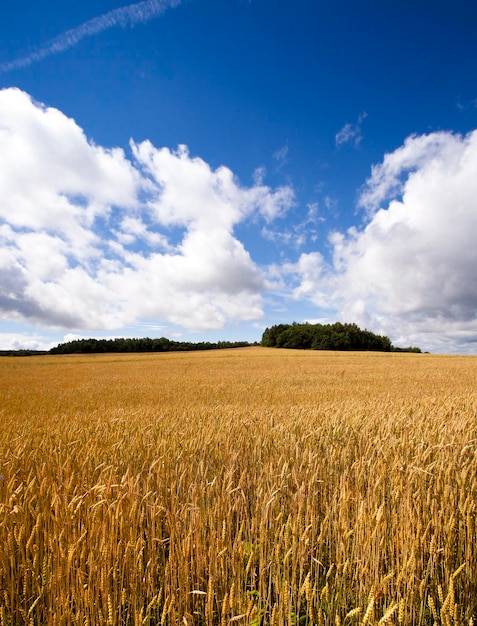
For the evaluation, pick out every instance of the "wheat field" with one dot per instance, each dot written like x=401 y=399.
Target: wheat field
x=248 y=486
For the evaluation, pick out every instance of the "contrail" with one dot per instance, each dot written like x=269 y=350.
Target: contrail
x=138 y=13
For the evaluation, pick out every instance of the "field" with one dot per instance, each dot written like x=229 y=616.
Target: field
x=248 y=486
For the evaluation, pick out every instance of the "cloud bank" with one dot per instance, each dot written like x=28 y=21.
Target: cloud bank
x=94 y=238
x=91 y=239
x=411 y=271
x=138 y=13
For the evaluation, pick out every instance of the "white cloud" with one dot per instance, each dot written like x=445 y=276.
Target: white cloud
x=210 y=199
x=424 y=152
x=25 y=341
x=51 y=177
x=299 y=234
x=280 y=155
x=132 y=230
x=351 y=133
x=130 y=15
x=259 y=175
x=411 y=272
x=87 y=234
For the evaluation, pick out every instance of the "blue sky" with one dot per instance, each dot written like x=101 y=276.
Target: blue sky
x=202 y=169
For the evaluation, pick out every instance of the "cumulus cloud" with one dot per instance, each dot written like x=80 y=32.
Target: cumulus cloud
x=411 y=270
x=130 y=15
x=93 y=239
x=25 y=341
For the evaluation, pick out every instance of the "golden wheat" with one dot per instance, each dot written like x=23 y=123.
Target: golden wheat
x=252 y=486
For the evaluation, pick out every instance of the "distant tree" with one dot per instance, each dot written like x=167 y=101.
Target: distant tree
x=410 y=349
x=337 y=336
x=142 y=344
x=270 y=335
x=296 y=336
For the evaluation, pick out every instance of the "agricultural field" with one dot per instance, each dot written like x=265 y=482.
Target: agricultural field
x=252 y=486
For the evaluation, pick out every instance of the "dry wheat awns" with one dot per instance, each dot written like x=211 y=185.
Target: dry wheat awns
x=253 y=486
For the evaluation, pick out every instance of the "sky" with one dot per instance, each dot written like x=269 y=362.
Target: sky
x=204 y=169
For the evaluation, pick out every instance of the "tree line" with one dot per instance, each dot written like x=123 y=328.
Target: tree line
x=142 y=344
x=305 y=336
x=335 y=336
